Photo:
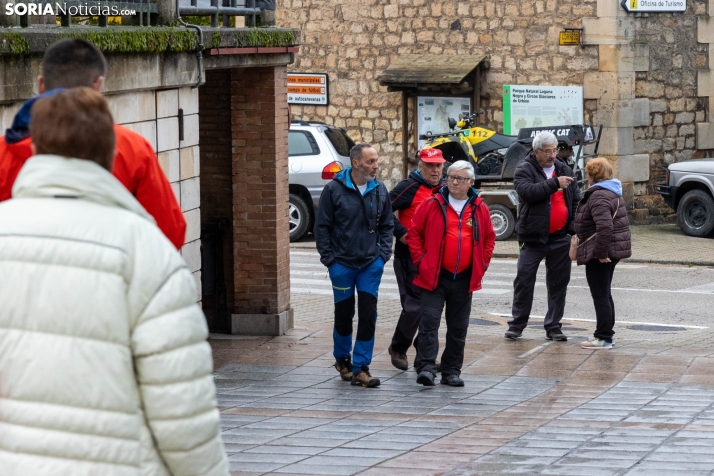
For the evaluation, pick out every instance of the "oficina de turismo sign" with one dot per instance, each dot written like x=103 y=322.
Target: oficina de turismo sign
x=673 y=6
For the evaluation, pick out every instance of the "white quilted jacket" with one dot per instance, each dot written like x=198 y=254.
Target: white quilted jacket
x=104 y=365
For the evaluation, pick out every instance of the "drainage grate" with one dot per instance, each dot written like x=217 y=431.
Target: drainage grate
x=483 y=322
x=656 y=328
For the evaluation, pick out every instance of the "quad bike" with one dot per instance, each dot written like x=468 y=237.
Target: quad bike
x=467 y=141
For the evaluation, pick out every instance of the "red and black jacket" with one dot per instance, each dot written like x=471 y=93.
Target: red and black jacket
x=406 y=198
x=427 y=237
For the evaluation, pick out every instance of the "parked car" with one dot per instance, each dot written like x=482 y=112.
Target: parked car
x=689 y=189
x=316 y=152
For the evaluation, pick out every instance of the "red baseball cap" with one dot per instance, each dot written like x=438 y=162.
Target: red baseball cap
x=431 y=156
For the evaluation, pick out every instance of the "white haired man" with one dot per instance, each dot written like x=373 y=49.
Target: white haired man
x=451 y=241
x=549 y=196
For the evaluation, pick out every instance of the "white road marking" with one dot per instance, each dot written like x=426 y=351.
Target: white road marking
x=329 y=283
x=704 y=288
x=494 y=291
x=675 y=291
x=328 y=292
x=534 y=349
x=324 y=274
x=500 y=314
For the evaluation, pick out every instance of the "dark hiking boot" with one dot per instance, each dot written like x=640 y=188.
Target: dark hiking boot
x=556 y=335
x=398 y=360
x=344 y=367
x=426 y=378
x=452 y=380
x=363 y=378
x=513 y=334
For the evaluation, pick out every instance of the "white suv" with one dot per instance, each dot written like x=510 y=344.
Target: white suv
x=316 y=152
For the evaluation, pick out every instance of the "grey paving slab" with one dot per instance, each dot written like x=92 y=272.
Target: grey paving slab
x=236 y=447
x=311 y=442
x=254 y=437
x=360 y=452
x=253 y=467
x=594 y=470
x=281 y=449
x=374 y=444
x=307 y=468
x=580 y=463
x=276 y=458
x=507 y=460
x=648 y=472
x=664 y=467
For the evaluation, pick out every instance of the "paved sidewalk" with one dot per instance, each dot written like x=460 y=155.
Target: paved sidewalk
x=528 y=407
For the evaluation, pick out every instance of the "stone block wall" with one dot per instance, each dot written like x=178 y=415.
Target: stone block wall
x=154 y=115
x=645 y=93
x=645 y=77
x=355 y=41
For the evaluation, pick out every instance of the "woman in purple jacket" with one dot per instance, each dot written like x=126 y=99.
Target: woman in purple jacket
x=604 y=233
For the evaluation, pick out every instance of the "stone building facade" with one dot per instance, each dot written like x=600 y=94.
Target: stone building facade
x=645 y=77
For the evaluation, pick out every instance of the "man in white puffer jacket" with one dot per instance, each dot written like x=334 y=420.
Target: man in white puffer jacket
x=104 y=365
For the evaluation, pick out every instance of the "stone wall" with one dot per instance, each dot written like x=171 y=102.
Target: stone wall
x=154 y=115
x=643 y=75
x=355 y=41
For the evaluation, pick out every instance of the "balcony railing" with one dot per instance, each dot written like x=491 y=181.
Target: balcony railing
x=136 y=12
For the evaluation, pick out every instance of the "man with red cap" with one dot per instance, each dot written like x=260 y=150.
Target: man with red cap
x=406 y=198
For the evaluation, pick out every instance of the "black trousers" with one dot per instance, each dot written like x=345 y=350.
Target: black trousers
x=408 y=323
x=455 y=294
x=599 y=276
x=557 y=277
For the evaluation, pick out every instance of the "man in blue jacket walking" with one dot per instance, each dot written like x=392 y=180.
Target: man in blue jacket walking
x=353 y=232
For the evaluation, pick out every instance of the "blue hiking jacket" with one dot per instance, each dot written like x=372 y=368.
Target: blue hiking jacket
x=352 y=229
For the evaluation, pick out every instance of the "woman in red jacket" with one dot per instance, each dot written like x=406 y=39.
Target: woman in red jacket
x=451 y=242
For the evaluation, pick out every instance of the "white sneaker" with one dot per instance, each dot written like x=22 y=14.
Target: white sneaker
x=596 y=344
x=590 y=339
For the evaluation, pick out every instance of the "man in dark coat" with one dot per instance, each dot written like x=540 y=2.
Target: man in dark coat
x=549 y=195
x=406 y=198
x=353 y=233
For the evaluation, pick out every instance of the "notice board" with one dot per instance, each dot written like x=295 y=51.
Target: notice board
x=541 y=106
x=433 y=113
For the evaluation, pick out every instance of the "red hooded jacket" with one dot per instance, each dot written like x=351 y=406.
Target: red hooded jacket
x=135 y=166
x=427 y=236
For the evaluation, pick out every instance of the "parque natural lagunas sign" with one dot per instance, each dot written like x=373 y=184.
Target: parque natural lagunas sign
x=635 y=6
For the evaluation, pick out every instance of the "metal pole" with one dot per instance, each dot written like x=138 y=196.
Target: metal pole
x=405 y=134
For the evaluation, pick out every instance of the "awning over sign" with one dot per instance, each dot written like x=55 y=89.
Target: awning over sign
x=432 y=73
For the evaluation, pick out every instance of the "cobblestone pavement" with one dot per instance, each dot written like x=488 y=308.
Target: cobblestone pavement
x=646 y=407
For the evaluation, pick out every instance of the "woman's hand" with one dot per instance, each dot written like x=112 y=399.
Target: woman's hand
x=606 y=260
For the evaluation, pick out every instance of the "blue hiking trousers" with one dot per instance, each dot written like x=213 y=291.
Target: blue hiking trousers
x=366 y=281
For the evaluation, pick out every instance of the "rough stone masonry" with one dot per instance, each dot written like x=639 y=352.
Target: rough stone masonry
x=645 y=76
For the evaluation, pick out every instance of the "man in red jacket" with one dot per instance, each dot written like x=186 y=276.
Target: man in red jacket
x=406 y=198
x=72 y=63
x=451 y=242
